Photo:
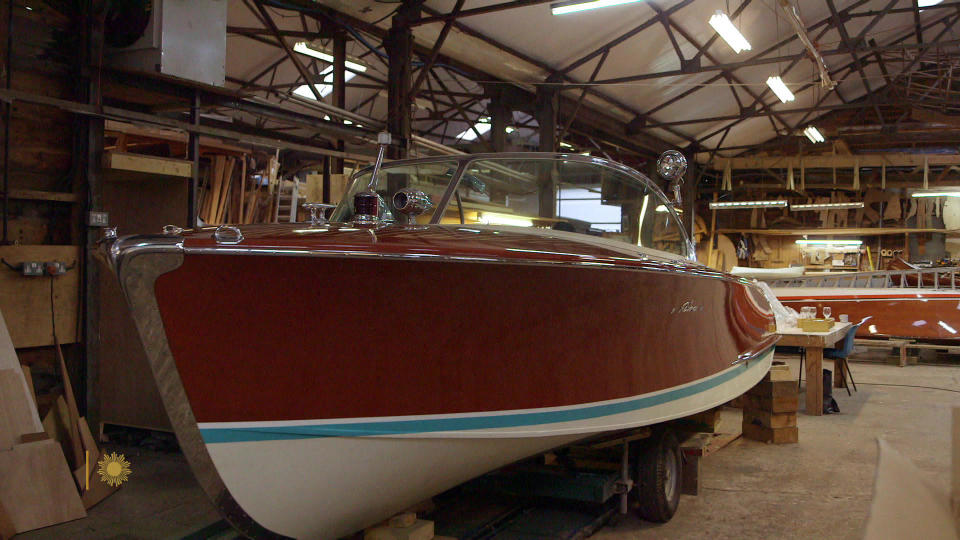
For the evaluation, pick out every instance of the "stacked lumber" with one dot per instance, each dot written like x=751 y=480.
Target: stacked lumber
x=770 y=408
x=37 y=489
x=228 y=194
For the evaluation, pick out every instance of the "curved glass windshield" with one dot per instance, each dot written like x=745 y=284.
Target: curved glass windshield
x=431 y=178
x=583 y=196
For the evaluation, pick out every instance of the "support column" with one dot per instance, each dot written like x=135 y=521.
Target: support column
x=399 y=45
x=546 y=114
x=339 y=90
x=193 y=154
x=91 y=144
x=500 y=117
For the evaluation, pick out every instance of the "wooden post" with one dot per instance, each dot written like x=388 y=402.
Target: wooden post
x=814 y=380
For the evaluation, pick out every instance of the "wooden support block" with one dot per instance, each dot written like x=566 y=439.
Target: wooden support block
x=420 y=530
x=777 y=405
x=779 y=373
x=769 y=419
x=403 y=519
x=690 y=482
x=779 y=389
x=37 y=490
x=783 y=435
x=706 y=421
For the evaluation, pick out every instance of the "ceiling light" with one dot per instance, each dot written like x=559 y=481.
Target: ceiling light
x=780 y=89
x=722 y=24
x=561 y=8
x=303 y=47
x=927 y=3
x=825 y=206
x=509 y=129
x=566 y=145
x=814 y=135
x=323 y=89
x=829 y=242
x=732 y=205
x=938 y=192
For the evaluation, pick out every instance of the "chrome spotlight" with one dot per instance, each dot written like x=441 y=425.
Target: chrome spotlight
x=672 y=165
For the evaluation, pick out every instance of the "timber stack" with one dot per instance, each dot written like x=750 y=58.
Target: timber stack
x=770 y=408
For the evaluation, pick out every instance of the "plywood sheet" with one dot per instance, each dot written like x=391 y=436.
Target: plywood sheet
x=37 y=488
x=16 y=409
x=25 y=301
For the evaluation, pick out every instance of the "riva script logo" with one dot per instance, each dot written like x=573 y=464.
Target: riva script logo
x=687 y=307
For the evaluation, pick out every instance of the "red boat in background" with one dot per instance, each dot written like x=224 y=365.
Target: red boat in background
x=904 y=302
x=321 y=377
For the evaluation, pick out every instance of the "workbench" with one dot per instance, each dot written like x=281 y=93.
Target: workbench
x=814 y=343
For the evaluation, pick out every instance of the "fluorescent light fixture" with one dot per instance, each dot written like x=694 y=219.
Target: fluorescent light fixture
x=928 y=3
x=323 y=89
x=722 y=24
x=488 y=218
x=509 y=129
x=663 y=209
x=829 y=242
x=732 y=205
x=938 y=192
x=303 y=47
x=562 y=8
x=814 y=135
x=780 y=89
x=566 y=145
x=825 y=206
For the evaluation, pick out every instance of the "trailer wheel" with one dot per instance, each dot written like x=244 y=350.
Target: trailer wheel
x=658 y=477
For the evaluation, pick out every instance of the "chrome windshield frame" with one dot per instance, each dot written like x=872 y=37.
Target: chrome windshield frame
x=464 y=160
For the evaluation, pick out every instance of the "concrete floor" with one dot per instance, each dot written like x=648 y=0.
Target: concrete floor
x=819 y=488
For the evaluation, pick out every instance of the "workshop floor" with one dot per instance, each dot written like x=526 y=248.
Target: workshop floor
x=819 y=488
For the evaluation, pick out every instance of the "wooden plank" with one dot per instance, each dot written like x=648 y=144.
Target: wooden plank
x=16 y=414
x=37 y=488
x=28 y=378
x=815 y=381
x=41 y=195
x=147 y=164
x=73 y=427
x=25 y=301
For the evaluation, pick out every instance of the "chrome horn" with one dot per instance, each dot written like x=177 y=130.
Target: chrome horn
x=672 y=166
x=411 y=202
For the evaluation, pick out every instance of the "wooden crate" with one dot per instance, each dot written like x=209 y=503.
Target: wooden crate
x=816 y=325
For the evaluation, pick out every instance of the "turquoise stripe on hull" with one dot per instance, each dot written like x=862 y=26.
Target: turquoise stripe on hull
x=403 y=427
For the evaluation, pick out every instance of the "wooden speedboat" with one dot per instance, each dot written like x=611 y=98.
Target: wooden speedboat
x=322 y=376
x=904 y=301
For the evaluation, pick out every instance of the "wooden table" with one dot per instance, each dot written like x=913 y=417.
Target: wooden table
x=814 y=343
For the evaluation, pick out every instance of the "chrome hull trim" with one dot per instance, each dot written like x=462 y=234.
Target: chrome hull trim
x=137 y=263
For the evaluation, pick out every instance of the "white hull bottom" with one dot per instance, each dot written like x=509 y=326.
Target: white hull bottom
x=327 y=487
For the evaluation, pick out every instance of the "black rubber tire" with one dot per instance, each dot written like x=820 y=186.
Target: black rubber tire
x=658 y=482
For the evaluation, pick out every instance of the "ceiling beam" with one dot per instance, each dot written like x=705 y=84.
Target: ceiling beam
x=454 y=15
x=826 y=161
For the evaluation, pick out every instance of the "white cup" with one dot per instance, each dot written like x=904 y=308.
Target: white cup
x=844 y=317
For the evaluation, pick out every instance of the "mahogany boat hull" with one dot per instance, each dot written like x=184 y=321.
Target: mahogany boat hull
x=318 y=383
x=922 y=314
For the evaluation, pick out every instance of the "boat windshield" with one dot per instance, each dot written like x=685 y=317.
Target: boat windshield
x=587 y=196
